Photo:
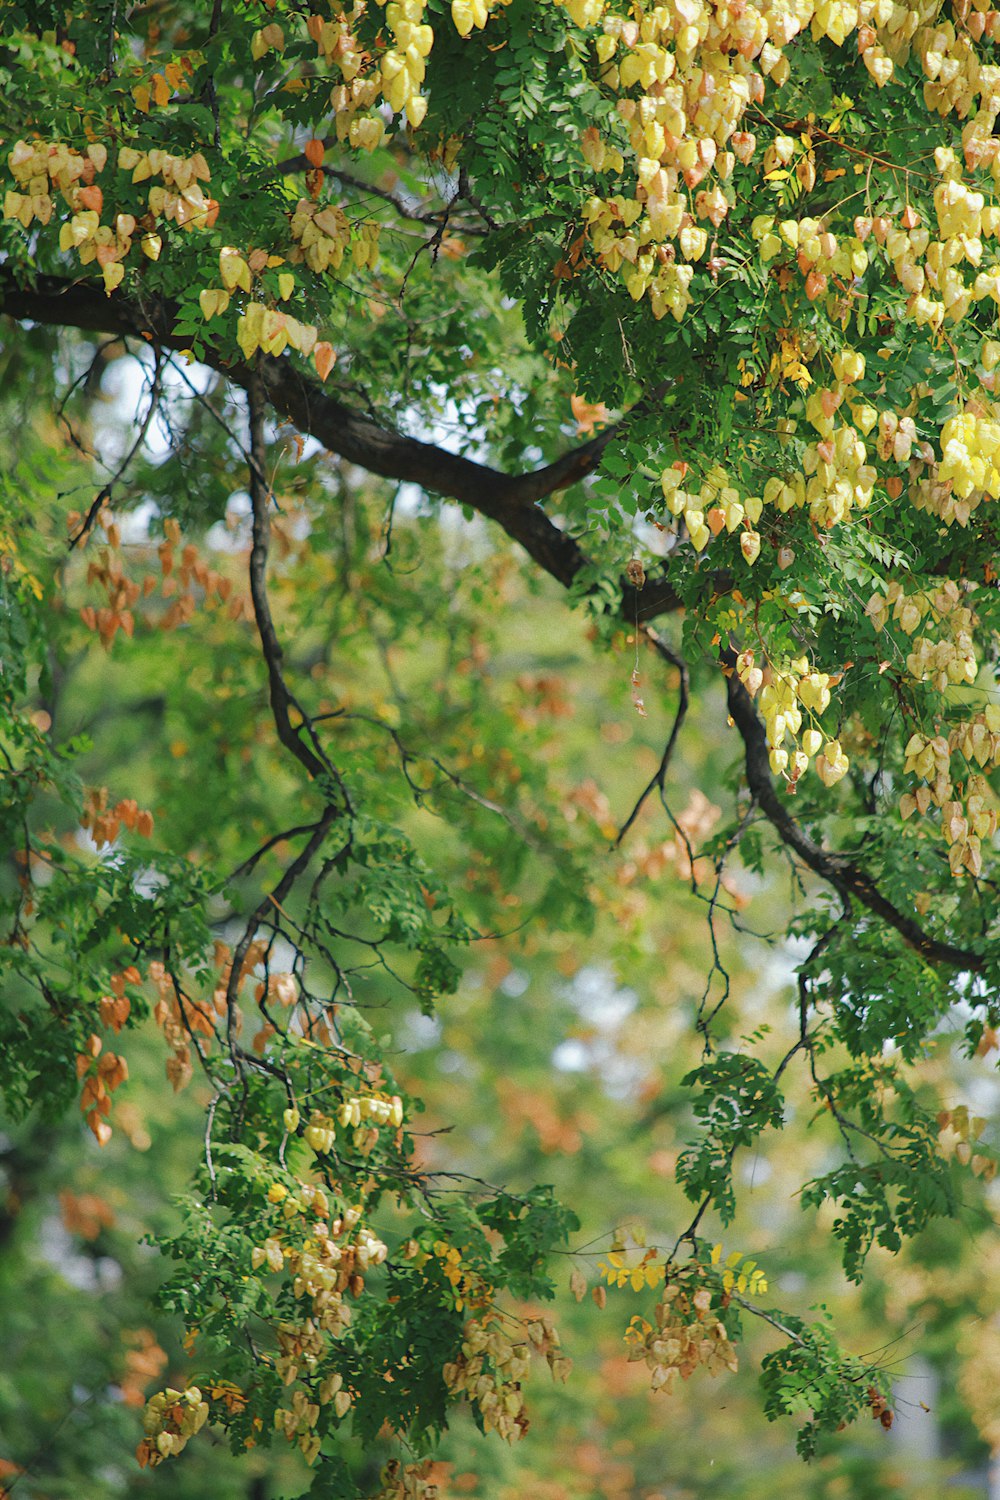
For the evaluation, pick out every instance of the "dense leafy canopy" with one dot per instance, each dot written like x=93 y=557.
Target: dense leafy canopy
x=752 y=248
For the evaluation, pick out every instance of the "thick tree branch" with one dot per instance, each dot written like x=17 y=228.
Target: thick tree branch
x=509 y=500
x=837 y=869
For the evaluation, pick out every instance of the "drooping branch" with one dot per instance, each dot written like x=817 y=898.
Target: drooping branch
x=508 y=500
x=311 y=756
x=847 y=877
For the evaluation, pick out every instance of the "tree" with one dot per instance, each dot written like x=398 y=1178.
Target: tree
x=751 y=250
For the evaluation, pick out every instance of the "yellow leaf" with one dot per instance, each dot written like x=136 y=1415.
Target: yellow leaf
x=234 y=269
x=302 y=336
x=286 y=285
x=275 y=332
x=141 y=96
x=248 y=330
x=212 y=301
x=161 y=90
x=716 y=1254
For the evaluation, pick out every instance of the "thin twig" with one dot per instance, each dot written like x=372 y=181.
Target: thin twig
x=658 y=779
x=435 y=218
x=106 y=491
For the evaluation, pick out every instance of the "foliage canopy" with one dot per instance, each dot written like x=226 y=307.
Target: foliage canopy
x=752 y=247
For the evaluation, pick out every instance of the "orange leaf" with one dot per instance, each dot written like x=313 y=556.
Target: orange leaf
x=114 y=1012
x=314 y=153
x=324 y=358
x=815 y=285
x=127 y=810
x=141 y=96
x=588 y=414
x=102 y=1131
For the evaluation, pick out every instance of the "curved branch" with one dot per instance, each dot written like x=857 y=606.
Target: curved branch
x=509 y=500
x=837 y=869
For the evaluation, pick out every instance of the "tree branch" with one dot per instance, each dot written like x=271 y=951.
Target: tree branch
x=311 y=756
x=837 y=869
x=509 y=500
x=430 y=217
x=273 y=898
